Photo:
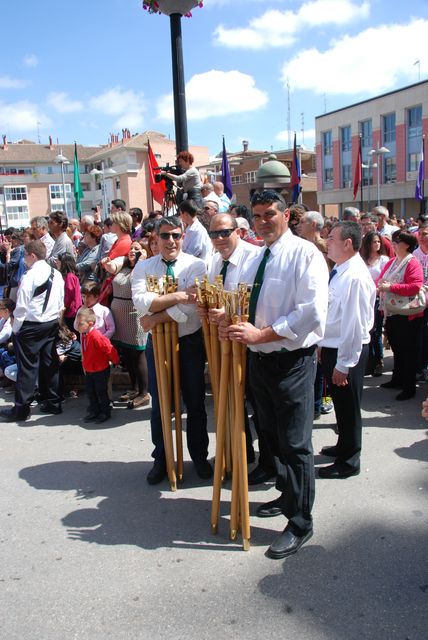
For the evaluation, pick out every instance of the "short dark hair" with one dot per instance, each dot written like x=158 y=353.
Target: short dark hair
x=408 y=238
x=60 y=218
x=8 y=304
x=189 y=206
x=268 y=196
x=37 y=248
x=119 y=204
x=136 y=213
x=108 y=222
x=350 y=231
x=171 y=221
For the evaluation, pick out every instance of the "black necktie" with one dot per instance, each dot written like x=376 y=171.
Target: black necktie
x=255 y=291
x=224 y=269
x=332 y=274
x=169 y=268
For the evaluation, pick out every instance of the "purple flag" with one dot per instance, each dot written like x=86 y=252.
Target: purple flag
x=225 y=173
x=419 y=193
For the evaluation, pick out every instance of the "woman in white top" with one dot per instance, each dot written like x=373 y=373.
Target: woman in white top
x=374 y=254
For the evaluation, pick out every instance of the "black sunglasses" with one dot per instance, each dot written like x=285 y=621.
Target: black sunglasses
x=221 y=233
x=265 y=197
x=174 y=235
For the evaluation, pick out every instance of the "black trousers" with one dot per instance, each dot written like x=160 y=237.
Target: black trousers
x=283 y=391
x=192 y=367
x=96 y=386
x=347 y=405
x=38 y=363
x=404 y=336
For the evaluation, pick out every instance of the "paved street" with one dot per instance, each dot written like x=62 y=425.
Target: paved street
x=89 y=550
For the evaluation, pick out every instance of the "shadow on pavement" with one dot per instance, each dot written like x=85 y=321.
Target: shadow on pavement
x=416 y=451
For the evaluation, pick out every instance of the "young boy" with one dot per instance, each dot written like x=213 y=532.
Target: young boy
x=97 y=352
x=104 y=318
x=7 y=356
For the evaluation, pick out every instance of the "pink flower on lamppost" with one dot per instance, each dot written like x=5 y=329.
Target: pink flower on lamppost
x=168 y=7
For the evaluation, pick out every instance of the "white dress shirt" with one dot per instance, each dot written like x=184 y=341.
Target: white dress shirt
x=238 y=260
x=351 y=299
x=197 y=241
x=293 y=296
x=49 y=242
x=30 y=307
x=186 y=269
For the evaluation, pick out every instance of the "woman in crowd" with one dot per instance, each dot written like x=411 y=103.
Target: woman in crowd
x=72 y=295
x=87 y=260
x=374 y=254
x=129 y=337
x=402 y=276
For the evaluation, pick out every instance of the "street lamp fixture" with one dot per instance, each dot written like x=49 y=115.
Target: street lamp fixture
x=103 y=173
x=370 y=164
x=62 y=160
x=379 y=152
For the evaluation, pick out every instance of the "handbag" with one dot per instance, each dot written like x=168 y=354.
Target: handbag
x=405 y=305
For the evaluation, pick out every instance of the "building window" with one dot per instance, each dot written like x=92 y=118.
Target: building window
x=345 y=138
x=250 y=176
x=366 y=133
x=235 y=179
x=390 y=170
x=328 y=178
x=346 y=176
x=414 y=159
x=327 y=143
x=56 y=191
x=388 y=128
x=414 y=122
x=15 y=193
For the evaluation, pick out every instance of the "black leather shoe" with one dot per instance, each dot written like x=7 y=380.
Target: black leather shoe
x=338 y=470
x=270 y=509
x=260 y=474
x=251 y=456
x=90 y=417
x=157 y=473
x=286 y=544
x=405 y=395
x=330 y=452
x=46 y=407
x=12 y=415
x=203 y=469
x=391 y=385
x=102 y=417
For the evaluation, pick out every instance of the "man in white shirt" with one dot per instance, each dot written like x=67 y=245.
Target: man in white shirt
x=288 y=308
x=196 y=240
x=178 y=306
x=208 y=194
x=39 y=228
x=383 y=228
x=345 y=345
x=35 y=328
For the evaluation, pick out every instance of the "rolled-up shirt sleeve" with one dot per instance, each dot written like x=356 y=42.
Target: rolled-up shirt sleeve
x=182 y=312
x=141 y=298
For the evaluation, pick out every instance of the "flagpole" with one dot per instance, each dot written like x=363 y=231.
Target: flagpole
x=361 y=185
x=422 y=205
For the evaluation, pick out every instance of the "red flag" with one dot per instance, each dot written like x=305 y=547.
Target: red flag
x=358 y=171
x=157 y=188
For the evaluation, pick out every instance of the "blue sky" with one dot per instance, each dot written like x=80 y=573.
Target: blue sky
x=82 y=69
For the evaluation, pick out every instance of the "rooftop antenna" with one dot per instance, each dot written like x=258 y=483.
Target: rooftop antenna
x=325 y=103
x=418 y=62
x=38 y=131
x=288 y=114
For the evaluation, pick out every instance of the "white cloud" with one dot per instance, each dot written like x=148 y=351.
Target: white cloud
x=31 y=60
x=127 y=105
x=370 y=62
x=205 y=101
x=22 y=116
x=6 y=82
x=309 y=137
x=62 y=103
x=276 y=28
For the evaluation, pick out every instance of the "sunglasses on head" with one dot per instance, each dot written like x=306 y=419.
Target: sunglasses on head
x=174 y=235
x=221 y=233
x=265 y=197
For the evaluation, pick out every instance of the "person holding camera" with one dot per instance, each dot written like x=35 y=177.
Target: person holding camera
x=189 y=180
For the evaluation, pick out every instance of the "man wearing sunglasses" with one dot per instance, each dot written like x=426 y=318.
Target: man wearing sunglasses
x=179 y=306
x=288 y=308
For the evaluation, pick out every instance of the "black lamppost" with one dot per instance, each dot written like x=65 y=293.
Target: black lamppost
x=175 y=9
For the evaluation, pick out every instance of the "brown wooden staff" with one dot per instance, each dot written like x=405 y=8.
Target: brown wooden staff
x=177 y=399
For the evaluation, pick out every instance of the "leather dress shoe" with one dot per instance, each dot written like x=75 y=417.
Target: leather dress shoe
x=338 y=470
x=260 y=474
x=90 y=417
x=13 y=415
x=405 y=395
x=203 y=469
x=391 y=385
x=102 y=417
x=251 y=456
x=47 y=407
x=286 y=544
x=330 y=452
x=270 y=509
x=157 y=473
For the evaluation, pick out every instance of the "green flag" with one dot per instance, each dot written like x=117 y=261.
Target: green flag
x=78 y=193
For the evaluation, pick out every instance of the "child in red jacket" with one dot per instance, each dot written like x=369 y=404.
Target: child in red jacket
x=97 y=352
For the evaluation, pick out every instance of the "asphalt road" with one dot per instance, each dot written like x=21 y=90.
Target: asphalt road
x=89 y=550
